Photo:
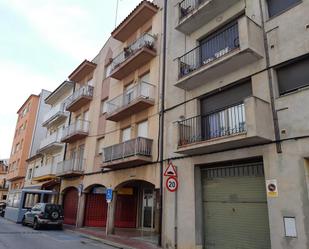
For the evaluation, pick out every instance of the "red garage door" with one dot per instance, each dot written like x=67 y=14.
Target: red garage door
x=96 y=210
x=70 y=204
x=126 y=208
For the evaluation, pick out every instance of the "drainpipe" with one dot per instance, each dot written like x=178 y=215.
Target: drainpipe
x=270 y=84
x=161 y=123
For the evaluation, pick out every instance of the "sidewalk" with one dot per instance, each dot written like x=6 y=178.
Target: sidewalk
x=124 y=239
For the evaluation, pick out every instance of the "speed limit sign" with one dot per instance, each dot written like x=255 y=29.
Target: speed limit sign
x=172 y=184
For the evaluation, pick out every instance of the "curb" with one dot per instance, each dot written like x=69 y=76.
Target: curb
x=104 y=241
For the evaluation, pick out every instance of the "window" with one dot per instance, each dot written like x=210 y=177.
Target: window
x=90 y=82
x=293 y=76
x=142 y=129
x=103 y=107
x=29 y=174
x=126 y=134
x=275 y=7
x=100 y=146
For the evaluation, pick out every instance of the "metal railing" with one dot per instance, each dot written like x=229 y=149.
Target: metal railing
x=145 y=40
x=188 y=6
x=84 y=91
x=54 y=112
x=134 y=147
x=51 y=138
x=79 y=126
x=213 y=48
x=225 y=122
x=48 y=169
x=141 y=90
x=71 y=165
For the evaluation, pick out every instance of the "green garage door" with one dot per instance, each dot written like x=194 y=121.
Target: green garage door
x=235 y=207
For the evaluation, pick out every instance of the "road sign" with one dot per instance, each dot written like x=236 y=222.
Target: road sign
x=109 y=195
x=272 y=188
x=172 y=184
x=170 y=170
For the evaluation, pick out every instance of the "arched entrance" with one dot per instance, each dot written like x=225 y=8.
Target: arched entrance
x=70 y=205
x=135 y=205
x=95 y=206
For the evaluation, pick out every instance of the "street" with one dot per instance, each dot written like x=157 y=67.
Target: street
x=15 y=236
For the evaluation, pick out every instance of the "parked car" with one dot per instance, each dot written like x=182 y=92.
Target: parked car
x=44 y=214
x=2 y=208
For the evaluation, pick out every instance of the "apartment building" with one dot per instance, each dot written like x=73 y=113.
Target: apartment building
x=112 y=136
x=4 y=186
x=22 y=142
x=236 y=124
x=43 y=161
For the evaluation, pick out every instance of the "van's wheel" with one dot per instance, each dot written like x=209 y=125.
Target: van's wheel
x=36 y=225
x=23 y=222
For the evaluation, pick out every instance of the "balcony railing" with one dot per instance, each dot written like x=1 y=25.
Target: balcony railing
x=212 y=49
x=71 y=166
x=142 y=90
x=225 y=122
x=83 y=92
x=51 y=139
x=146 y=40
x=45 y=170
x=188 y=6
x=78 y=127
x=55 y=112
x=139 y=146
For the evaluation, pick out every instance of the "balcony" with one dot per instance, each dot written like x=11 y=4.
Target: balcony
x=193 y=14
x=79 y=98
x=237 y=45
x=237 y=126
x=78 y=130
x=45 y=172
x=55 y=115
x=133 y=57
x=133 y=100
x=130 y=153
x=70 y=168
x=51 y=143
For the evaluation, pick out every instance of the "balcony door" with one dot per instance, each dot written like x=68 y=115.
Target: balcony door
x=144 y=86
x=126 y=134
x=142 y=129
x=223 y=113
x=81 y=150
x=129 y=94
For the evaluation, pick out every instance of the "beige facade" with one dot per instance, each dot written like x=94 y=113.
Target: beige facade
x=4 y=186
x=196 y=149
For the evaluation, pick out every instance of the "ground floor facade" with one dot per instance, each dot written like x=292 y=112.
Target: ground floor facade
x=3 y=194
x=134 y=207
x=223 y=202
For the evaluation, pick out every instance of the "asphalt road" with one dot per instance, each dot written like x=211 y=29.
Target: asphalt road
x=15 y=236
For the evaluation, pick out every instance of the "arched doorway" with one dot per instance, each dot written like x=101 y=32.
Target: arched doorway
x=70 y=205
x=95 y=206
x=135 y=205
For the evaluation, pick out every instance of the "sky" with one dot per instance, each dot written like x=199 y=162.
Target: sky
x=42 y=42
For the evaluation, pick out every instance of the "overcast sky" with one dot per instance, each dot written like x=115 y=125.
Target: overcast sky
x=41 y=42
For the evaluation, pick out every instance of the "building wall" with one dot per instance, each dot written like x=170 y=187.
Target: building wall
x=25 y=136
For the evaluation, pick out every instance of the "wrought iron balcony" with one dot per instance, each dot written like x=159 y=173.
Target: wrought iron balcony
x=79 y=98
x=75 y=131
x=56 y=114
x=133 y=100
x=232 y=47
x=129 y=153
x=70 y=168
x=134 y=56
x=193 y=14
x=239 y=125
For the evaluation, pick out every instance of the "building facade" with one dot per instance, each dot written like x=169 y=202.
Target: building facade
x=235 y=127
x=4 y=185
x=22 y=142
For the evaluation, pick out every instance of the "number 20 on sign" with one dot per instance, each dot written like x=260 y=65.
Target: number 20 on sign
x=172 y=184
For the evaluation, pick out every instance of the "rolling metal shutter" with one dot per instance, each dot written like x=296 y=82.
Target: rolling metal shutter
x=235 y=208
x=70 y=204
x=96 y=210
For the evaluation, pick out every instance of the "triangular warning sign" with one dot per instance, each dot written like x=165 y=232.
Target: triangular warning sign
x=170 y=170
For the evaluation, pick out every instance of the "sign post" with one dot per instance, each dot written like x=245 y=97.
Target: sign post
x=172 y=184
